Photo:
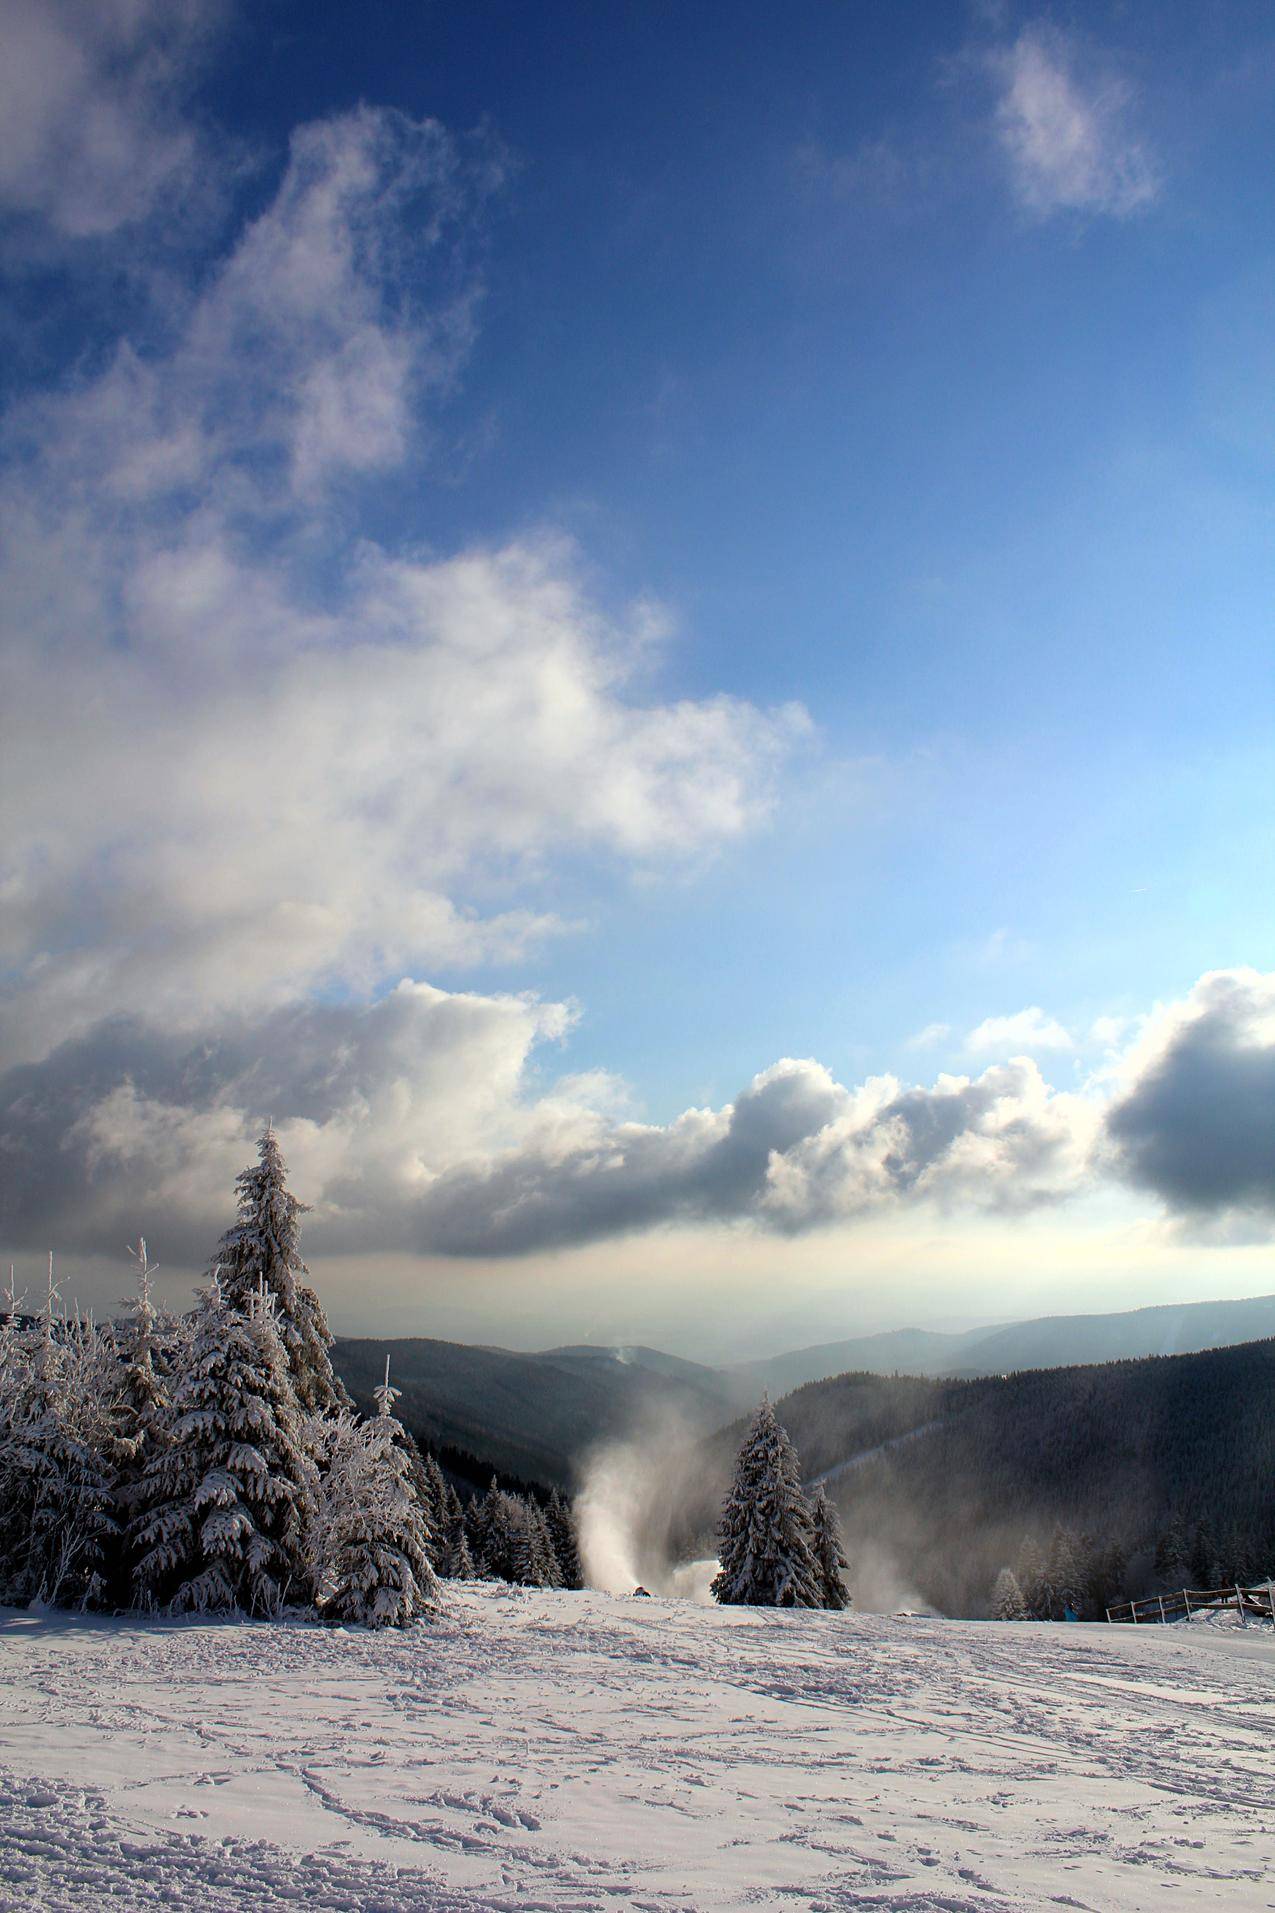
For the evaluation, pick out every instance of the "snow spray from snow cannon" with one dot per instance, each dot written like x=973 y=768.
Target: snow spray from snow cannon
x=628 y=1509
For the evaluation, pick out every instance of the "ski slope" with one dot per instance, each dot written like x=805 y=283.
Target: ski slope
x=554 y=1751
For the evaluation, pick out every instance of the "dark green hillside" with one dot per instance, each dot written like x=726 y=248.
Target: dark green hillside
x=1122 y=1451
x=535 y=1416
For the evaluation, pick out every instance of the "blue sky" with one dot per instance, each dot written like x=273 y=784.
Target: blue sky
x=848 y=438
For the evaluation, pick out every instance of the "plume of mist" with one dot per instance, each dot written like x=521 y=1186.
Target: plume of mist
x=639 y=1497
x=877 y=1583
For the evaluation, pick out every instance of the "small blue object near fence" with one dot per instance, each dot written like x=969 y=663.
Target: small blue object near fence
x=1256 y=1603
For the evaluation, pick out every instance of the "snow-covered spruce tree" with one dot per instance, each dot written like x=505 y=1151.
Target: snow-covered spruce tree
x=431 y=1491
x=264 y=1247
x=829 y=1552
x=1007 y=1598
x=764 y=1538
x=55 y=1484
x=533 y=1563
x=1065 y=1581
x=17 y=1357
x=488 y=1520
x=375 y=1568
x=566 y=1544
x=226 y=1503
x=1030 y=1575
x=147 y=1340
x=457 y=1563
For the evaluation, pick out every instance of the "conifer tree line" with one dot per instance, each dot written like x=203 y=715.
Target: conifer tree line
x=1072 y=1575
x=213 y=1462
x=776 y=1548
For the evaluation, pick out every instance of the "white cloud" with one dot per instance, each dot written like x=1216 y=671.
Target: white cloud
x=1192 y=1115
x=1024 y=1033
x=89 y=95
x=1066 y=130
x=254 y=758
x=422 y=1125
x=930 y=1037
x=416 y=1124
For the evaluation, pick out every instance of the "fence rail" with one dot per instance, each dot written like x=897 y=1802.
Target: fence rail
x=1161 y=1608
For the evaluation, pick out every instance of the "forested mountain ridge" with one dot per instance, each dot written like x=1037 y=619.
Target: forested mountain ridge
x=1172 y=1452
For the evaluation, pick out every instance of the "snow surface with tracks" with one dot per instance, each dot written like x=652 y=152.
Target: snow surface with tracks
x=558 y=1751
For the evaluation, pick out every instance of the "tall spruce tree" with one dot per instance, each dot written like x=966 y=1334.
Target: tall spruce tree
x=1031 y=1578
x=226 y=1503
x=829 y=1553
x=764 y=1535
x=264 y=1247
x=457 y=1563
x=566 y=1543
x=375 y=1567
x=146 y=1342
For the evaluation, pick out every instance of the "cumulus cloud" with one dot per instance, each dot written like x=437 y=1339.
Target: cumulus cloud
x=90 y=95
x=295 y=758
x=1193 y=1118
x=1065 y=126
x=1024 y=1032
x=425 y=1123
x=371 y=1101
x=417 y=1123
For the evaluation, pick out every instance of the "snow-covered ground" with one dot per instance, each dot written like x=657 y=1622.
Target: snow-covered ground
x=556 y=1751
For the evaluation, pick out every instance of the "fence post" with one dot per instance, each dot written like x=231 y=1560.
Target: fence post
x=1160 y=1598
x=1186 y=1596
x=1239 y=1602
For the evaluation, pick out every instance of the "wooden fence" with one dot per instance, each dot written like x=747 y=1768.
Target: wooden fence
x=1259 y=1602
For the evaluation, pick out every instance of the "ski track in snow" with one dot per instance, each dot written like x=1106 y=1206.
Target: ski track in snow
x=588 y=1753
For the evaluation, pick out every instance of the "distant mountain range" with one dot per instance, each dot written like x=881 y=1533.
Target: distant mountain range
x=536 y=1416
x=1049 y=1341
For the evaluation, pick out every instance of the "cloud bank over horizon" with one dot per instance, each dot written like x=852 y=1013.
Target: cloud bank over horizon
x=419 y=1124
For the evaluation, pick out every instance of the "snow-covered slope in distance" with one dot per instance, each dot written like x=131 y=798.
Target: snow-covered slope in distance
x=557 y=1751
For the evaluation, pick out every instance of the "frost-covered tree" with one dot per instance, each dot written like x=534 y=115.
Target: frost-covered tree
x=457 y=1563
x=764 y=1537
x=264 y=1247
x=17 y=1355
x=375 y=1568
x=57 y=1522
x=430 y=1489
x=829 y=1552
x=532 y=1561
x=226 y=1503
x=148 y=1343
x=566 y=1543
x=491 y=1524
x=1066 y=1577
x=1007 y=1598
x=1030 y=1574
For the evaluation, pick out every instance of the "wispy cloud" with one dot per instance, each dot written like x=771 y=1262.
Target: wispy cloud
x=930 y=1037
x=294 y=756
x=1065 y=122
x=1023 y=1033
x=90 y=104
